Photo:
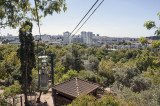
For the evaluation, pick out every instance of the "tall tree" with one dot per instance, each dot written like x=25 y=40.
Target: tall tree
x=77 y=61
x=27 y=56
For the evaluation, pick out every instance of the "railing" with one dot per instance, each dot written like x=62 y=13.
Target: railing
x=12 y=101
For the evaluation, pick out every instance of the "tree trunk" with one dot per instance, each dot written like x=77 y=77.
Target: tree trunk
x=26 y=85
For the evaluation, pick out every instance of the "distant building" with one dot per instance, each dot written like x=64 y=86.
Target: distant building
x=84 y=37
x=66 y=37
x=89 y=38
x=15 y=42
x=76 y=39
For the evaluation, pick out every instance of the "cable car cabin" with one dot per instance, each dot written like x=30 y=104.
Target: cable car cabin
x=43 y=74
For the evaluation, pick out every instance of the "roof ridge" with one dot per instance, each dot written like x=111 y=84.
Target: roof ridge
x=77 y=87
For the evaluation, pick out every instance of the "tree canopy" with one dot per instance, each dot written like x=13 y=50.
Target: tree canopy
x=15 y=12
x=143 y=40
x=151 y=25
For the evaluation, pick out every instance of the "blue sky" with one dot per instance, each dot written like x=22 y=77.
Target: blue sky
x=115 y=18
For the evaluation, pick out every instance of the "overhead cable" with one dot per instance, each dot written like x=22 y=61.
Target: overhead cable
x=83 y=17
x=88 y=17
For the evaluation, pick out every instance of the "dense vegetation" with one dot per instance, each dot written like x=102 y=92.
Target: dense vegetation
x=132 y=75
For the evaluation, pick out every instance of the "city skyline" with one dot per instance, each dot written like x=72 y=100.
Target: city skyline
x=114 y=19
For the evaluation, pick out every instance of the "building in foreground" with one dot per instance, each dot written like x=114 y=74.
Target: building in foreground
x=66 y=92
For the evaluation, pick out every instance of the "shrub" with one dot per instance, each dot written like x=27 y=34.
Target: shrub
x=140 y=83
x=124 y=75
x=12 y=90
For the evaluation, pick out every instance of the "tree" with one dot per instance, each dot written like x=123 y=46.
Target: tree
x=143 y=40
x=156 y=44
x=27 y=56
x=70 y=74
x=129 y=43
x=125 y=75
x=15 y=12
x=93 y=63
x=151 y=24
x=140 y=83
x=105 y=70
x=144 y=60
x=67 y=61
x=77 y=61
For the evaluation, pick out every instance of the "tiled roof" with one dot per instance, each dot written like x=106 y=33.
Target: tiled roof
x=75 y=87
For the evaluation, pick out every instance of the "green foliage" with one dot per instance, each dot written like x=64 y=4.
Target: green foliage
x=153 y=74
x=123 y=54
x=72 y=60
x=12 y=90
x=98 y=52
x=15 y=12
x=70 y=74
x=26 y=53
x=140 y=83
x=124 y=75
x=107 y=100
x=88 y=75
x=148 y=97
x=93 y=77
x=156 y=44
x=105 y=70
x=59 y=71
x=144 y=60
x=34 y=83
x=143 y=40
x=67 y=61
x=77 y=62
x=83 y=100
x=149 y=24
x=27 y=57
x=93 y=63
x=9 y=61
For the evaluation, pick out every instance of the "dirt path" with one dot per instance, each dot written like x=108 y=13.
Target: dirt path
x=45 y=100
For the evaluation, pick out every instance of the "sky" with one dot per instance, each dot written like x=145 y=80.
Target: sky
x=114 y=18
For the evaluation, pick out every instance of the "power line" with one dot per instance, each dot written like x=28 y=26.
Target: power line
x=83 y=18
x=88 y=17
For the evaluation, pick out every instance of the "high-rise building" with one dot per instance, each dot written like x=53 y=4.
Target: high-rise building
x=76 y=39
x=66 y=37
x=89 y=38
x=84 y=37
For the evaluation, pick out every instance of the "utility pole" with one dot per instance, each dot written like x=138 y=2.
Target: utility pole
x=38 y=64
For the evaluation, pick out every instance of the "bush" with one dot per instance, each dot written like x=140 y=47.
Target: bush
x=70 y=74
x=124 y=75
x=140 y=83
x=107 y=100
x=83 y=100
x=105 y=71
x=150 y=97
x=91 y=76
x=12 y=90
